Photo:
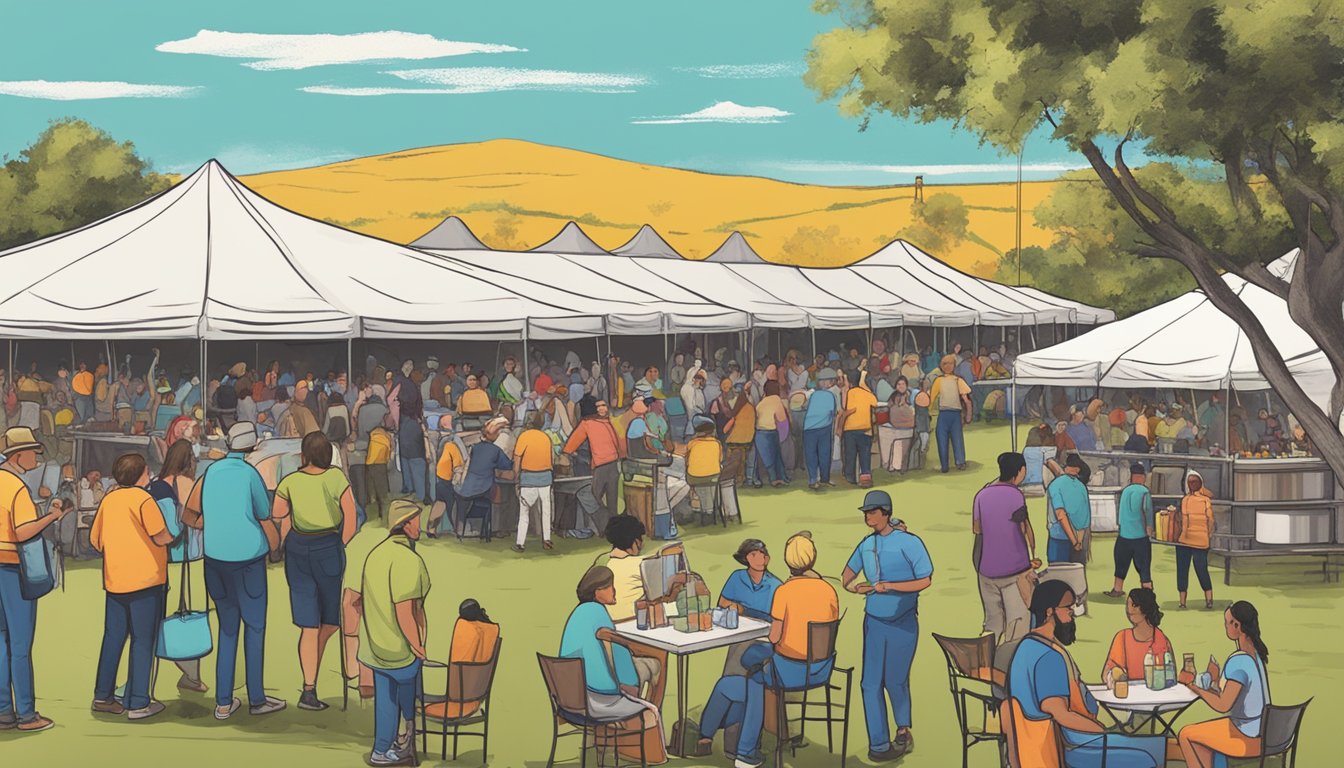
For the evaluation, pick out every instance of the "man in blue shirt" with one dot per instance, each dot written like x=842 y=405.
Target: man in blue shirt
x=230 y=504
x=818 y=425
x=1136 y=526
x=896 y=566
x=752 y=588
x=487 y=463
x=1070 y=519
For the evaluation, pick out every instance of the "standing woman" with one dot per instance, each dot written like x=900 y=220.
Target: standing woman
x=1242 y=693
x=316 y=511
x=770 y=413
x=1193 y=543
x=170 y=490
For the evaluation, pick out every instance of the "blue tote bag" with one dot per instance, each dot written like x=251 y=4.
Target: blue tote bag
x=184 y=634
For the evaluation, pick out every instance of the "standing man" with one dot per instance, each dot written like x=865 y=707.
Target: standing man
x=596 y=429
x=856 y=425
x=393 y=632
x=896 y=566
x=411 y=435
x=19 y=523
x=693 y=394
x=1070 y=525
x=82 y=387
x=1005 y=550
x=229 y=503
x=818 y=420
x=130 y=532
x=535 y=471
x=1133 y=542
x=952 y=396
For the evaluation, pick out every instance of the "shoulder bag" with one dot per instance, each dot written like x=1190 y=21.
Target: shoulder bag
x=184 y=635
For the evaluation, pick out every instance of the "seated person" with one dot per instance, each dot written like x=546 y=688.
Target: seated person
x=488 y=463
x=751 y=589
x=1143 y=637
x=609 y=672
x=803 y=599
x=704 y=462
x=1047 y=698
x=474 y=637
x=626 y=535
x=1243 y=694
x=473 y=407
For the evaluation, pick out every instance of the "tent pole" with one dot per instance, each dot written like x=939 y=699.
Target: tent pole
x=1012 y=407
x=205 y=388
x=814 y=343
x=527 y=365
x=1227 y=420
x=350 y=363
x=256 y=355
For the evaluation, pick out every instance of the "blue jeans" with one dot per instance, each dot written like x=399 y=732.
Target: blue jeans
x=239 y=592
x=137 y=615
x=947 y=431
x=18 y=620
x=1084 y=750
x=1058 y=551
x=888 y=652
x=858 y=446
x=817 y=447
x=414 y=477
x=393 y=701
x=741 y=700
x=1200 y=557
x=84 y=407
x=768 y=459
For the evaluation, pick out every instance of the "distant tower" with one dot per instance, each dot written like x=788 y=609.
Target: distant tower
x=919 y=189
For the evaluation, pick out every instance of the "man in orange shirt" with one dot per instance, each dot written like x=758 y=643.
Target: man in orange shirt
x=82 y=387
x=535 y=472
x=856 y=427
x=130 y=532
x=607 y=448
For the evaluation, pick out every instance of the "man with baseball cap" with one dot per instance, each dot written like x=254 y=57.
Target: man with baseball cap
x=394 y=585
x=818 y=423
x=229 y=503
x=19 y=523
x=896 y=568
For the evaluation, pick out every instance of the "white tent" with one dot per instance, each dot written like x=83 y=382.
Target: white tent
x=451 y=234
x=1185 y=343
x=570 y=239
x=735 y=250
x=648 y=244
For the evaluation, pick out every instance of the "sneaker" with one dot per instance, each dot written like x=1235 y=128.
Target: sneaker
x=224 y=712
x=547 y=545
x=405 y=742
x=518 y=549
x=308 y=700
x=8 y=721
x=270 y=705
x=905 y=742
x=108 y=707
x=390 y=757
x=154 y=708
x=185 y=683
x=887 y=755
x=749 y=761
x=38 y=723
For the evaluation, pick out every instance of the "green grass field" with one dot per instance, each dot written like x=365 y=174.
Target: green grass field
x=531 y=595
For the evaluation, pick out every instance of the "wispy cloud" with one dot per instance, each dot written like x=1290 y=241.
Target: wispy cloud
x=746 y=71
x=465 y=80
x=808 y=166
x=272 y=52
x=721 y=112
x=77 y=90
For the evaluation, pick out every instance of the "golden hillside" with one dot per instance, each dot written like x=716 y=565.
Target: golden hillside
x=516 y=194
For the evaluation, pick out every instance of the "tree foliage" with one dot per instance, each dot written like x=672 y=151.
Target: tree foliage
x=940 y=224
x=814 y=245
x=73 y=174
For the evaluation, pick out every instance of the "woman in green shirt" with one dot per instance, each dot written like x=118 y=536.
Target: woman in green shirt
x=316 y=512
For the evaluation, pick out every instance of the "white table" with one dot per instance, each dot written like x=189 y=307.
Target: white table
x=1158 y=708
x=684 y=644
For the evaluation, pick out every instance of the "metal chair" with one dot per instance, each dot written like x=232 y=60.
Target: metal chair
x=569 y=706
x=349 y=648
x=1279 y=736
x=971 y=678
x=821 y=644
x=467 y=687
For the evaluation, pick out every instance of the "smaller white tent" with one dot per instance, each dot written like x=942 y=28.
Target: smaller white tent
x=452 y=234
x=1184 y=343
x=570 y=239
x=647 y=243
x=735 y=250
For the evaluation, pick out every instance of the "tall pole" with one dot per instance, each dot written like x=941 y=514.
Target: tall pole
x=205 y=388
x=527 y=365
x=1018 y=229
x=1012 y=407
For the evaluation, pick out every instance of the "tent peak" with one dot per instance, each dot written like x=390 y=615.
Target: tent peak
x=648 y=243
x=570 y=239
x=451 y=234
x=736 y=250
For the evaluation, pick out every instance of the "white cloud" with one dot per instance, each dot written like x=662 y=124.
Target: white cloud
x=465 y=80
x=75 y=90
x=746 y=71
x=721 y=112
x=924 y=170
x=303 y=51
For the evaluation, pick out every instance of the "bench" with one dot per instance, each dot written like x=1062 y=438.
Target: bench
x=1331 y=567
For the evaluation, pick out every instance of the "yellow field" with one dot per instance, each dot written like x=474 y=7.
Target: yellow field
x=515 y=194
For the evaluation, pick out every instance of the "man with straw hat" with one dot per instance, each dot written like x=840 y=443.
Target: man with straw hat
x=394 y=585
x=19 y=523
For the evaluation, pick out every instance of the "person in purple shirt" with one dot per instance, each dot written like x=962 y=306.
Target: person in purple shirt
x=1005 y=551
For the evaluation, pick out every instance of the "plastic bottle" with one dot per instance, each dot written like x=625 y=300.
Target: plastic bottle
x=1159 y=676
x=1148 y=670
x=1168 y=670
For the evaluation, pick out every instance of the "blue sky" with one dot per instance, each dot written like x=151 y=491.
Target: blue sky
x=711 y=86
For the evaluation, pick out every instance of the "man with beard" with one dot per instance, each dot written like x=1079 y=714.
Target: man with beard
x=1047 y=697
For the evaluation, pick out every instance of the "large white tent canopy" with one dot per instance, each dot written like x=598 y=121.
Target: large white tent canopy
x=1184 y=343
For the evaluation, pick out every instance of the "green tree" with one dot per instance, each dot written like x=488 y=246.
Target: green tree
x=940 y=224
x=813 y=246
x=1249 y=87
x=72 y=175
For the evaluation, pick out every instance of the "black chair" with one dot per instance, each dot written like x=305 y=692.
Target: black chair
x=971 y=678
x=467 y=687
x=821 y=643
x=568 y=693
x=1279 y=736
x=480 y=508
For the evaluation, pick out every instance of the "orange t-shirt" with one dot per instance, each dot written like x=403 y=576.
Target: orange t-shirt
x=797 y=602
x=123 y=530
x=533 y=449
x=82 y=383
x=1128 y=653
x=16 y=508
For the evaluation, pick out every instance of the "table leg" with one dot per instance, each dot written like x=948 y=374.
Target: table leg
x=1227 y=570
x=683 y=679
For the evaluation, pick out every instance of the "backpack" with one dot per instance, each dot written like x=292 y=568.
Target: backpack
x=226 y=397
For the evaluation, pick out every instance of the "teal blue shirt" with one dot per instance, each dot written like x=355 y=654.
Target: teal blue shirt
x=1068 y=493
x=1136 y=512
x=897 y=556
x=233 y=504
x=579 y=641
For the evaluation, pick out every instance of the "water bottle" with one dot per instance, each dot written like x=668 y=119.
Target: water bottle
x=1169 y=670
x=1159 y=676
x=1148 y=669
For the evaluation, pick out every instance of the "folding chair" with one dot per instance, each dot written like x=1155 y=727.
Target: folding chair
x=970 y=674
x=569 y=706
x=465 y=702
x=1279 y=733
x=821 y=644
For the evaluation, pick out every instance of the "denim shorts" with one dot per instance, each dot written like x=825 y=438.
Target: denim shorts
x=314 y=567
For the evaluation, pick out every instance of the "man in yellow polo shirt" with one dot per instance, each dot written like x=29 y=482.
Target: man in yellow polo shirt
x=130 y=532
x=704 y=462
x=19 y=523
x=951 y=395
x=532 y=465
x=856 y=425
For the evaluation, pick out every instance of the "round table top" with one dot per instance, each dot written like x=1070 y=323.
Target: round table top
x=1140 y=698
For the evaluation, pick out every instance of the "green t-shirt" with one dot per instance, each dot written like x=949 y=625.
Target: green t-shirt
x=393 y=573
x=314 y=500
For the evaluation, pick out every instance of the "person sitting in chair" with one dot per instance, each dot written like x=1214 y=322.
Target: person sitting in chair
x=488 y=463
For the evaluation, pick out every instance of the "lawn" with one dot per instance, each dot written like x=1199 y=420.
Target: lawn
x=531 y=595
